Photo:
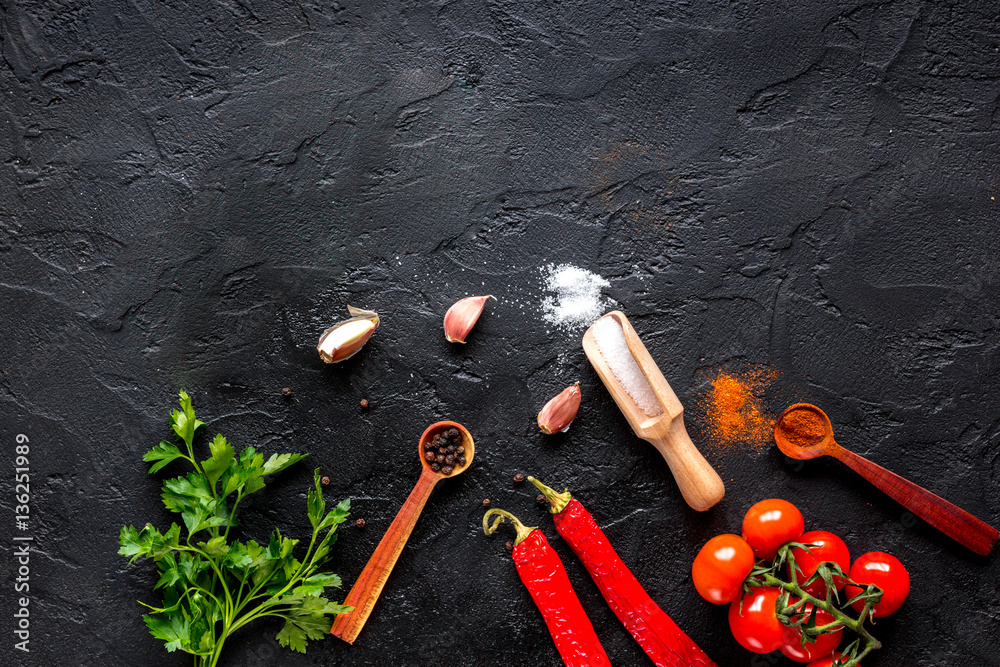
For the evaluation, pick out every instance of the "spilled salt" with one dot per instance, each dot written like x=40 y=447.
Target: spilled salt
x=610 y=339
x=576 y=298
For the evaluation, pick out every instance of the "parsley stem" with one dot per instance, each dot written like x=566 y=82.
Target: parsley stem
x=227 y=608
x=232 y=513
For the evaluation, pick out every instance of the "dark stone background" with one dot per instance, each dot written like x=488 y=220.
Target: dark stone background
x=191 y=192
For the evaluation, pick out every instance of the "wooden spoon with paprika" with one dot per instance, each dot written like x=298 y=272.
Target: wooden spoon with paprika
x=804 y=432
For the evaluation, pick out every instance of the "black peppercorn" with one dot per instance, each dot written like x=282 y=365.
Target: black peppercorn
x=447 y=470
x=436 y=467
x=286 y=392
x=461 y=460
x=509 y=545
x=439 y=458
x=360 y=523
x=449 y=459
x=430 y=457
x=518 y=478
x=364 y=403
x=486 y=502
x=460 y=449
x=325 y=481
x=540 y=499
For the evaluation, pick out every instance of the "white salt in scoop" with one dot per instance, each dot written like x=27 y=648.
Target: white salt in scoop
x=650 y=405
x=610 y=339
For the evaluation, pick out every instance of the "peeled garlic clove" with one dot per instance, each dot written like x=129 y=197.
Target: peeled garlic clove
x=560 y=412
x=462 y=316
x=344 y=339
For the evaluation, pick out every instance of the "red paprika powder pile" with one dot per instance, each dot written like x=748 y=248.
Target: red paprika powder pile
x=734 y=411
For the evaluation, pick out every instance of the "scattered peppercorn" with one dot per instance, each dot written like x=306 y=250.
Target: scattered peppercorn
x=325 y=481
x=540 y=499
x=364 y=403
x=286 y=392
x=509 y=545
x=519 y=478
x=486 y=502
x=360 y=523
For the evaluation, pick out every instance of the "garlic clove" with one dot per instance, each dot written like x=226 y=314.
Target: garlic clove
x=344 y=339
x=560 y=412
x=462 y=316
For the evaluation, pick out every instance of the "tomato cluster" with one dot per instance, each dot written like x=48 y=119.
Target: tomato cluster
x=726 y=561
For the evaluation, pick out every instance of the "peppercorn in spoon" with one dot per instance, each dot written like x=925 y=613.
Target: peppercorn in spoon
x=440 y=442
x=804 y=432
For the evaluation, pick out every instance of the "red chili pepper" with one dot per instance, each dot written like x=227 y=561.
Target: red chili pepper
x=543 y=574
x=658 y=635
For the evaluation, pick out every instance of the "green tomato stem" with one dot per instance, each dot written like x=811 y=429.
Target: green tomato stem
x=840 y=618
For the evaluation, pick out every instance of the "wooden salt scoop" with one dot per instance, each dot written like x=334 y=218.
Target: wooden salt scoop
x=700 y=485
x=953 y=521
x=369 y=585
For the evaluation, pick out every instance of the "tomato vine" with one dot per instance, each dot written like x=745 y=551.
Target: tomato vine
x=790 y=605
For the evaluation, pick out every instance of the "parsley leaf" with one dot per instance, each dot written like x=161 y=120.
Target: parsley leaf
x=183 y=421
x=279 y=462
x=315 y=584
x=163 y=453
x=172 y=629
x=148 y=542
x=308 y=621
x=222 y=454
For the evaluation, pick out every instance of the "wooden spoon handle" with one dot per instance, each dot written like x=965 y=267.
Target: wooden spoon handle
x=369 y=585
x=700 y=485
x=953 y=521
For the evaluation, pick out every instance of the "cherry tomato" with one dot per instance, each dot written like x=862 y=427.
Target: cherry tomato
x=757 y=627
x=826 y=662
x=824 y=644
x=829 y=548
x=886 y=572
x=770 y=524
x=720 y=568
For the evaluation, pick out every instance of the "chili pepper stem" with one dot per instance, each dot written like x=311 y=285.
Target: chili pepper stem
x=522 y=530
x=556 y=499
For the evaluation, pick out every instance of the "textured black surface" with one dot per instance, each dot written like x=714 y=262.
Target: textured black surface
x=191 y=192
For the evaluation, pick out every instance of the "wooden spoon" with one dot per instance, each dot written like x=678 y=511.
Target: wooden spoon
x=369 y=585
x=700 y=485
x=953 y=521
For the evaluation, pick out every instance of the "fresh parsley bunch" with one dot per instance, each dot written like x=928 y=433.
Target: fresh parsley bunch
x=213 y=586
